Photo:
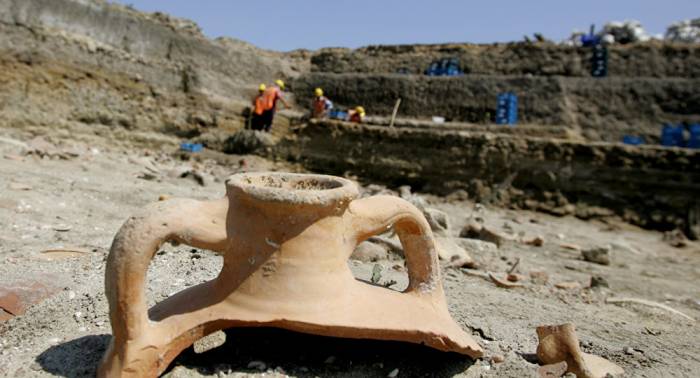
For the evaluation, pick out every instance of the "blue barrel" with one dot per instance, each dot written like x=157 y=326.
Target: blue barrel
x=694 y=141
x=507 y=108
x=672 y=135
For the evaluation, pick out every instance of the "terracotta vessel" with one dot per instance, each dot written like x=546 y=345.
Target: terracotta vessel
x=285 y=240
x=560 y=343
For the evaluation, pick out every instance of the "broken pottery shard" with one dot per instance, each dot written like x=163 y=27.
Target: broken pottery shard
x=503 y=283
x=15 y=299
x=286 y=240
x=568 y=285
x=552 y=370
x=560 y=343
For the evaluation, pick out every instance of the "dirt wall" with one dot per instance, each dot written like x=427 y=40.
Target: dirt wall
x=604 y=109
x=540 y=59
x=650 y=186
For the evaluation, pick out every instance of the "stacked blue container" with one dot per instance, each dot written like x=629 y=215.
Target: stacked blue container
x=507 y=109
x=694 y=141
x=672 y=135
x=444 y=67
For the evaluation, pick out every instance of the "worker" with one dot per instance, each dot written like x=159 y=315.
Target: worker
x=256 y=121
x=271 y=95
x=321 y=105
x=357 y=115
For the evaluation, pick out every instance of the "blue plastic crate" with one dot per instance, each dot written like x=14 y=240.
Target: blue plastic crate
x=338 y=114
x=633 y=140
x=694 y=141
x=191 y=147
x=672 y=135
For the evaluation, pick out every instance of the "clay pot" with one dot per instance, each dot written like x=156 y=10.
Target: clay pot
x=285 y=239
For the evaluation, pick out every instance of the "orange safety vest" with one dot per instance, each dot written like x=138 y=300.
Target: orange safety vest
x=259 y=104
x=270 y=97
x=320 y=105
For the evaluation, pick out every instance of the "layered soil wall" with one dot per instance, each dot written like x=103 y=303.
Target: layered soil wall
x=649 y=186
x=603 y=109
x=89 y=62
x=539 y=59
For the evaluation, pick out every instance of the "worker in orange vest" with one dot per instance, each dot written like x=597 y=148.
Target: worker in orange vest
x=321 y=105
x=270 y=97
x=356 y=115
x=256 y=122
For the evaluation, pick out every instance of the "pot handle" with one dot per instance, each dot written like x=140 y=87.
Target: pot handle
x=195 y=223
x=375 y=215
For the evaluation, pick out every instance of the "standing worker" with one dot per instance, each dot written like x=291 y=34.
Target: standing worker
x=257 y=118
x=356 y=115
x=321 y=105
x=270 y=96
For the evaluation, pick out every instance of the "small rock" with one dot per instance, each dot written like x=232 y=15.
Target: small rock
x=209 y=342
x=514 y=277
x=329 y=360
x=675 y=238
x=497 y=358
x=369 y=252
x=393 y=374
x=629 y=351
x=376 y=274
x=598 y=255
x=19 y=186
x=475 y=230
x=476 y=247
x=448 y=250
x=599 y=281
x=537 y=241
x=438 y=220
x=570 y=285
x=258 y=365
x=539 y=277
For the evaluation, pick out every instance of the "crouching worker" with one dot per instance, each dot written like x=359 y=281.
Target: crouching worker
x=257 y=119
x=356 y=115
x=321 y=105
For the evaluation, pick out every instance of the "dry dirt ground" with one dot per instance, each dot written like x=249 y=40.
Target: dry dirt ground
x=78 y=202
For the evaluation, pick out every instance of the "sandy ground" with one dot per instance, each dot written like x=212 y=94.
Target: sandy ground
x=80 y=202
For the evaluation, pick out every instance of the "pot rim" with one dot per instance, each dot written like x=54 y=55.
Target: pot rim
x=293 y=188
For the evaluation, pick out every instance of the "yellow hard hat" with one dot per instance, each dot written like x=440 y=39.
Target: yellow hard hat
x=280 y=83
x=262 y=88
x=318 y=92
x=360 y=110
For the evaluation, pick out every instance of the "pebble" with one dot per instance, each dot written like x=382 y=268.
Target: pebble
x=539 y=277
x=598 y=255
x=258 y=365
x=599 y=281
x=568 y=285
x=329 y=360
x=393 y=374
x=497 y=359
x=629 y=350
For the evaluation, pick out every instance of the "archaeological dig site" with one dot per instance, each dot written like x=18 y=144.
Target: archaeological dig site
x=349 y=189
